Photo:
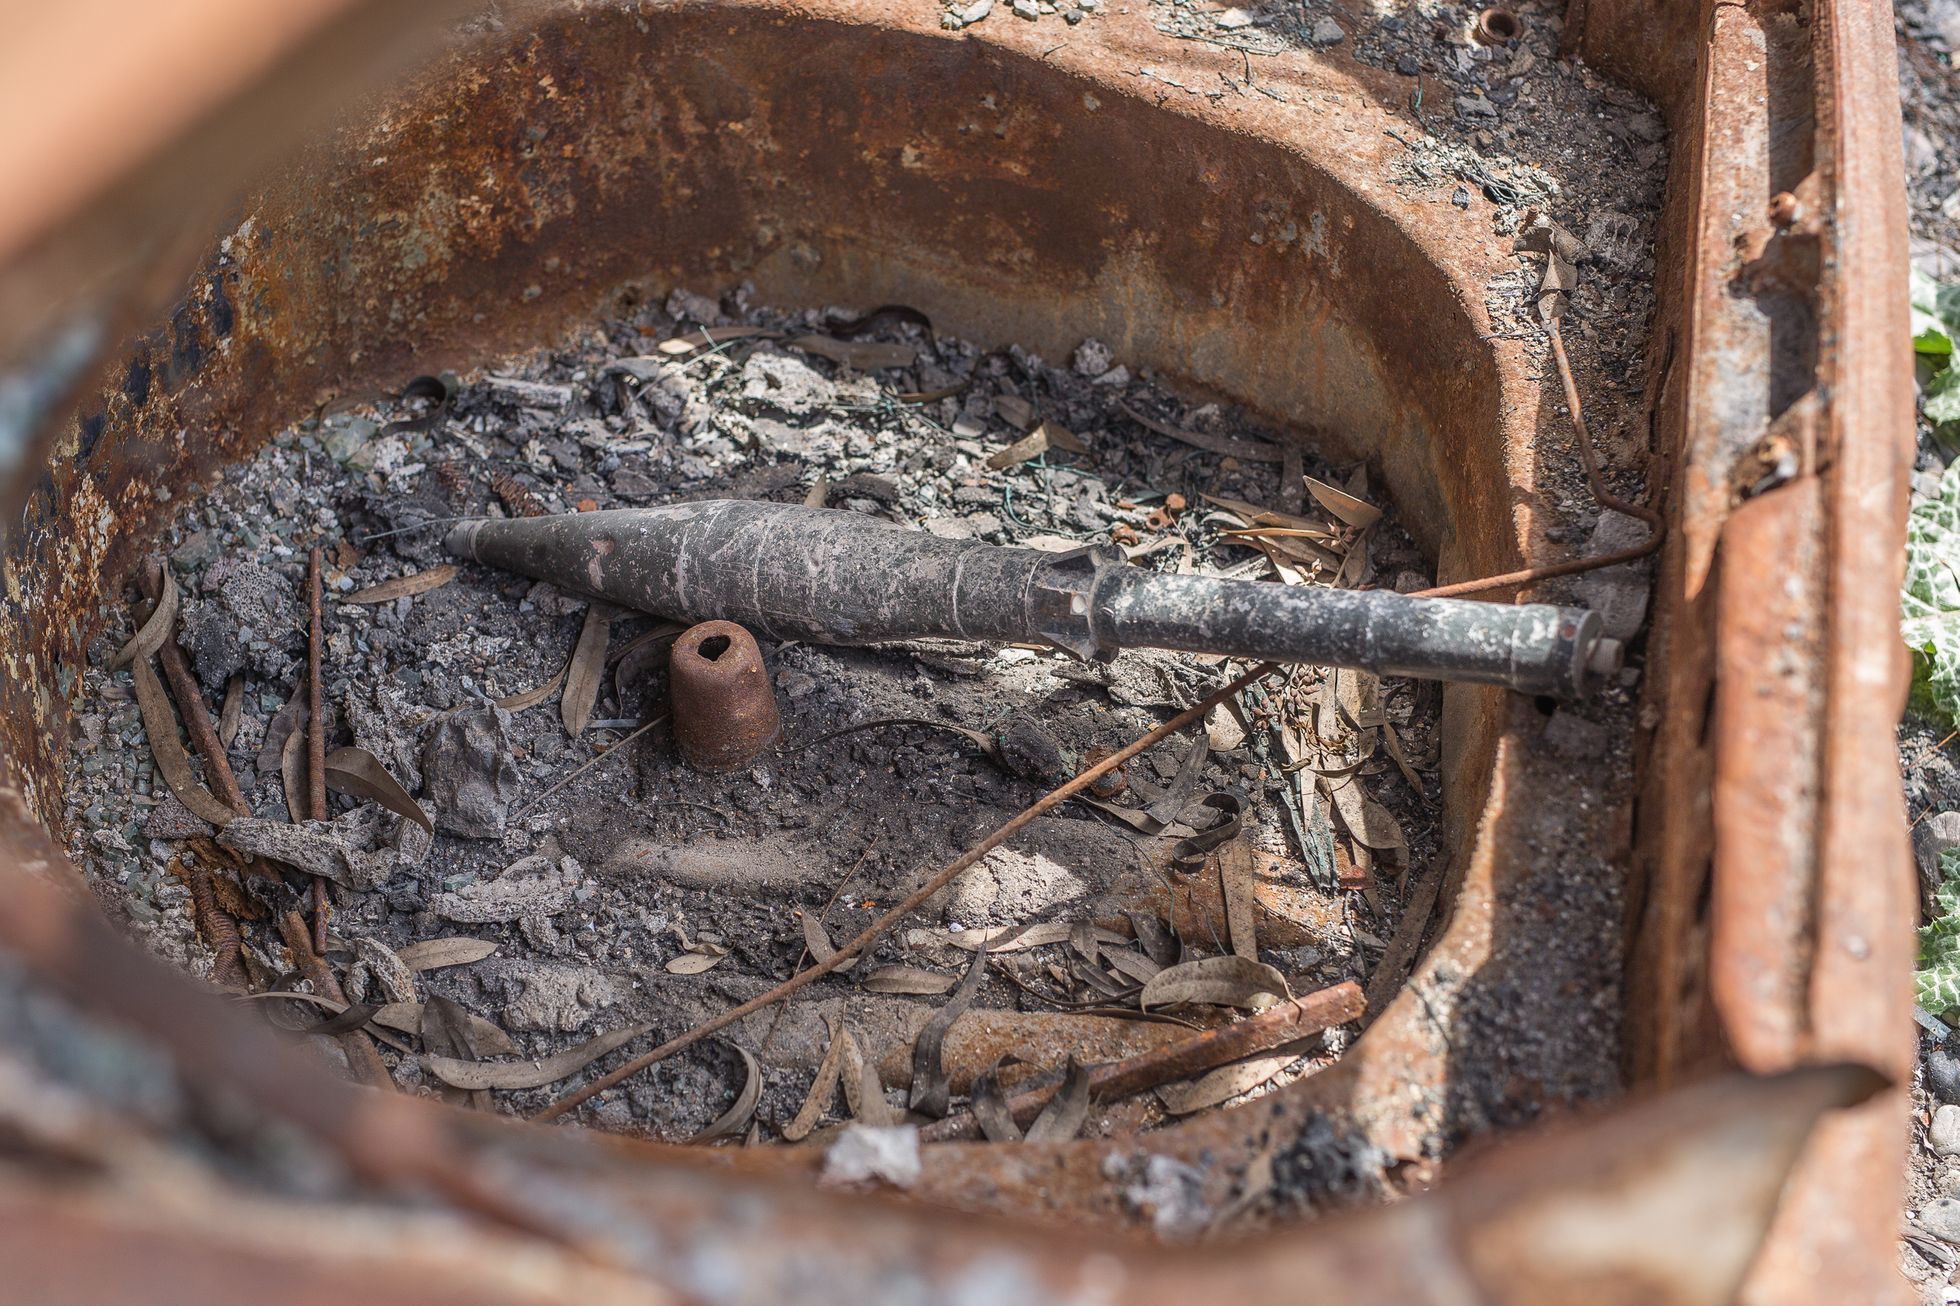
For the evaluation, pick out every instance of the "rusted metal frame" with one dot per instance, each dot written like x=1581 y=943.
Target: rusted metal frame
x=674 y=1221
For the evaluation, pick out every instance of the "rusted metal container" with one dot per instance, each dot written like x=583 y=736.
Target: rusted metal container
x=724 y=707
x=191 y=295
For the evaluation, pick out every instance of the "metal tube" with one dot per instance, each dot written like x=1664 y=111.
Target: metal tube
x=837 y=577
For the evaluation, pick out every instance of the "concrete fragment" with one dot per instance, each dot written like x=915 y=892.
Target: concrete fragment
x=556 y=999
x=783 y=382
x=469 y=775
x=247 y=617
x=321 y=848
x=533 y=886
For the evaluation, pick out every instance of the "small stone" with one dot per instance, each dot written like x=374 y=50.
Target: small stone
x=1944 y=1133
x=1234 y=19
x=1941 y=1218
x=1091 y=358
x=1474 y=106
x=874 y=1152
x=197 y=552
x=471 y=779
x=1075 y=16
x=1326 y=31
x=1027 y=9
x=1943 y=1075
x=1461 y=197
x=1408 y=65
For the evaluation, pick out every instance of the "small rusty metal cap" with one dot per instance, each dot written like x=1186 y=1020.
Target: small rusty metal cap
x=724 y=708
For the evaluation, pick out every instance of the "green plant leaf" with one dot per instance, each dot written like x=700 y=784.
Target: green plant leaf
x=1935 y=314
x=1930 y=603
x=1938 y=978
x=1942 y=407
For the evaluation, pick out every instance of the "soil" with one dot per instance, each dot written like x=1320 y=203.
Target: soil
x=592 y=879
x=1929 y=37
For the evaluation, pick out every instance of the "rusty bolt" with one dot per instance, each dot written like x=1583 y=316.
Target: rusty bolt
x=724 y=708
x=1157 y=520
x=1123 y=533
x=1784 y=209
x=1498 y=26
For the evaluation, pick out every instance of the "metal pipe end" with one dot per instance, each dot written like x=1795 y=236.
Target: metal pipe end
x=460 y=539
x=724 y=708
x=1604 y=659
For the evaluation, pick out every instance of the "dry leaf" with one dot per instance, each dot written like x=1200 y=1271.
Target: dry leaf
x=989 y=1107
x=531 y=1074
x=1246 y=451
x=586 y=669
x=1223 y=1083
x=533 y=697
x=733 y=1120
x=360 y=773
x=1393 y=742
x=817 y=940
x=286 y=721
x=822 y=1088
x=1022 y=937
x=1236 y=862
x=1355 y=512
x=434 y=954
x=490 y=1040
x=150 y=635
x=1135 y=965
x=630 y=663
x=404 y=587
x=1014 y=410
x=446 y=1033
x=1255 y=516
x=715 y=335
x=292 y=774
x=930 y=1090
x=907 y=979
x=864 y=1092
x=1228 y=981
x=1367 y=821
x=1066 y=1112
x=703 y=956
x=864 y=355
x=1046 y=436
x=168 y=749
x=328 y=1004
x=232 y=714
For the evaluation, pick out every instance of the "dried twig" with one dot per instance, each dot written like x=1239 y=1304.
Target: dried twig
x=191 y=705
x=362 y=1056
x=1289 y=1022
x=1046 y=803
x=316 y=740
x=1657 y=525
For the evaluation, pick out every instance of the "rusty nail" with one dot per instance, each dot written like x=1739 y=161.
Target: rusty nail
x=1498 y=26
x=724 y=709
